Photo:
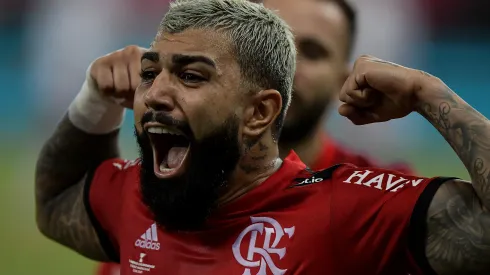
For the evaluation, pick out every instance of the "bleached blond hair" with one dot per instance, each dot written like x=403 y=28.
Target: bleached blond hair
x=262 y=42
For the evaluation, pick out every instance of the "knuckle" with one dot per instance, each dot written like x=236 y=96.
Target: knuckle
x=363 y=59
x=99 y=62
x=110 y=59
x=367 y=57
x=93 y=71
x=116 y=57
x=102 y=62
x=359 y=61
x=131 y=50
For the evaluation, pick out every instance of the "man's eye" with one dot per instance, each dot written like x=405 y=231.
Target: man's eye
x=191 y=78
x=147 y=76
x=312 y=50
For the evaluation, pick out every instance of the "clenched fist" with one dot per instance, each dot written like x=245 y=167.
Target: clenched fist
x=117 y=75
x=377 y=91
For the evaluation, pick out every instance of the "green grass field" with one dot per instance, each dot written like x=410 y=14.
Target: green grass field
x=24 y=251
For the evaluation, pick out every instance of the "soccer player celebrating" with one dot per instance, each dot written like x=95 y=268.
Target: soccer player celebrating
x=210 y=194
x=324 y=33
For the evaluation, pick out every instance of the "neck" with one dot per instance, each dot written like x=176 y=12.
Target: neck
x=256 y=165
x=308 y=149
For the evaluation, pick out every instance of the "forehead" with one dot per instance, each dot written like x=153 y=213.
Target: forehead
x=321 y=20
x=202 y=42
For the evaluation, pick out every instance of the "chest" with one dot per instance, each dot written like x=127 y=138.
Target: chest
x=289 y=242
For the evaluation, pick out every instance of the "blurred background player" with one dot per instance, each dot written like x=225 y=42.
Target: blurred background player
x=325 y=33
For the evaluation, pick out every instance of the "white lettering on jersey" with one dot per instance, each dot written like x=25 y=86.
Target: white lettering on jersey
x=126 y=164
x=149 y=239
x=359 y=175
x=383 y=181
x=264 y=251
x=311 y=180
x=140 y=266
x=131 y=163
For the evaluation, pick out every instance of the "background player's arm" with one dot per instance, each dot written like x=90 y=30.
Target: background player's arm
x=64 y=162
x=458 y=221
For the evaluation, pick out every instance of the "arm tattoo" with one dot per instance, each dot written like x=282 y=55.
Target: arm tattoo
x=459 y=221
x=458 y=235
x=61 y=168
x=468 y=133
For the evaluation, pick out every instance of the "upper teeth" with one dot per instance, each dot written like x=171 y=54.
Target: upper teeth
x=163 y=130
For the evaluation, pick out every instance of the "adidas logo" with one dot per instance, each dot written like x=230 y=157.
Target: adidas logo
x=149 y=239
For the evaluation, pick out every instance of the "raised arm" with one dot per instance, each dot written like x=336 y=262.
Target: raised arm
x=84 y=138
x=458 y=220
x=457 y=233
x=63 y=165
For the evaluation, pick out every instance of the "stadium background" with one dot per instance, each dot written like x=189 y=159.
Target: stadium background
x=46 y=45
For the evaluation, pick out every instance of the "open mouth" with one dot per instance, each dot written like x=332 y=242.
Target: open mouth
x=170 y=150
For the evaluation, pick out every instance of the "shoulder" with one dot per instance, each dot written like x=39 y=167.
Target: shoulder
x=118 y=165
x=111 y=180
x=309 y=177
x=376 y=178
x=342 y=154
x=115 y=170
x=361 y=178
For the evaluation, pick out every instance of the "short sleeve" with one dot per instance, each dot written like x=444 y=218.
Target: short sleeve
x=372 y=212
x=103 y=201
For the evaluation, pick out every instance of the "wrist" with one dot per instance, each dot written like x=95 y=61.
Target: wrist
x=428 y=90
x=94 y=113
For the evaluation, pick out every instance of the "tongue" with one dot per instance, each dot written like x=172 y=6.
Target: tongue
x=175 y=156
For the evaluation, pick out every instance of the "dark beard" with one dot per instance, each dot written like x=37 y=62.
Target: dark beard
x=307 y=119
x=184 y=203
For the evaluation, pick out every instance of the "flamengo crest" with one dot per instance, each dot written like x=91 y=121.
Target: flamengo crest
x=273 y=235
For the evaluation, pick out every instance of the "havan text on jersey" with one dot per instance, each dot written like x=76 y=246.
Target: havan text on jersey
x=382 y=181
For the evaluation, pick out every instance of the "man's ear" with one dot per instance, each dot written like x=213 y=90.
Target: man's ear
x=264 y=108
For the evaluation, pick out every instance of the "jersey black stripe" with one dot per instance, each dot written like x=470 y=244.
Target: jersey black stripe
x=418 y=225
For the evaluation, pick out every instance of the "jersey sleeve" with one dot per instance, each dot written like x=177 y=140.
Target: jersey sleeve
x=378 y=218
x=103 y=201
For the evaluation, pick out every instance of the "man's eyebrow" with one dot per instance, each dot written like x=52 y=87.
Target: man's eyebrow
x=183 y=60
x=151 y=56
